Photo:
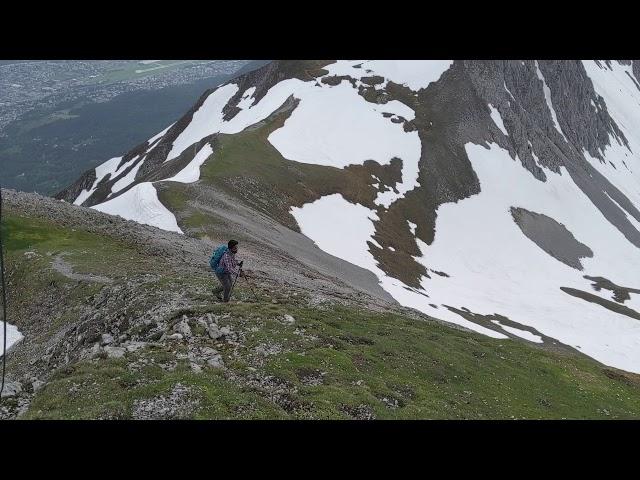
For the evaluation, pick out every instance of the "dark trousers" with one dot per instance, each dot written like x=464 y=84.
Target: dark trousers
x=226 y=283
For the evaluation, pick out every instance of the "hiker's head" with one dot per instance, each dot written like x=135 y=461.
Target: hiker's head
x=233 y=246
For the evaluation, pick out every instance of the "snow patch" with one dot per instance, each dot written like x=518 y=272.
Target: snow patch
x=205 y=121
x=508 y=91
x=497 y=119
x=141 y=204
x=318 y=221
x=547 y=97
x=209 y=117
x=13 y=336
x=335 y=126
x=110 y=166
x=342 y=229
x=157 y=136
x=415 y=74
x=489 y=259
x=129 y=178
x=622 y=99
x=247 y=99
x=191 y=173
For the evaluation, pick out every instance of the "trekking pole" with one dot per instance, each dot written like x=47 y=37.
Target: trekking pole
x=234 y=283
x=250 y=286
x=4 y=302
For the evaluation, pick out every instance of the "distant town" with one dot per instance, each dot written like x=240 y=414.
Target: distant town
x=44 y=85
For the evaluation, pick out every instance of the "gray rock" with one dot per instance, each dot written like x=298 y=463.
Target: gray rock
x=93 y=352
x=208 y=351
x=11 y=389
x=202 y=322
x=289 y=319
x=183 y=328
x=133 y=346
x=196 y=368
x=37 y=385
x=107 y=339
x=175 y=336
x=215 y=362
x=115 y=352
x=266 y=350
x=214 y=332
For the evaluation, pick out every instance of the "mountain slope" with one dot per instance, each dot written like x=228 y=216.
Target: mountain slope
x=119 y=323
x=489 y=194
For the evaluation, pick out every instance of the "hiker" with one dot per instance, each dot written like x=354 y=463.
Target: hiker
x=224 y=264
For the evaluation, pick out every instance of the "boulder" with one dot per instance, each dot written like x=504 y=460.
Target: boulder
x=214 y=332
x=11 y=389
x=115 y=352
x=182 y=328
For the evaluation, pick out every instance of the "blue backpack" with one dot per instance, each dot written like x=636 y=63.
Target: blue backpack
x=215 y=258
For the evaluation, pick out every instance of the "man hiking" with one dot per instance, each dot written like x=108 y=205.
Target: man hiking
x=224 y=264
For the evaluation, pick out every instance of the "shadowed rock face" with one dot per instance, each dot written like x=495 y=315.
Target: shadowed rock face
x=608 y=304
x=621 y=294
x=551 y=236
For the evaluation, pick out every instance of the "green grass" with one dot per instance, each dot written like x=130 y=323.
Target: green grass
x=430 y=370
x=32 y=245
x=355 y=357
x=108 y=389
x=250 y=169
x=246 y=166
x=87 y=252
x=434 y=371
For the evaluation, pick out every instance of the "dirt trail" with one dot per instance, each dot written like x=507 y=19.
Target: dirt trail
x=64 y=268
x=270 y=253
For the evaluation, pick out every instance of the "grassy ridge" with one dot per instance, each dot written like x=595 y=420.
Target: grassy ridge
x=248 y=167
x=332 y=362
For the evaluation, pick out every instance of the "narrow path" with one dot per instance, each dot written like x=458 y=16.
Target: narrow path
x=66 y=269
